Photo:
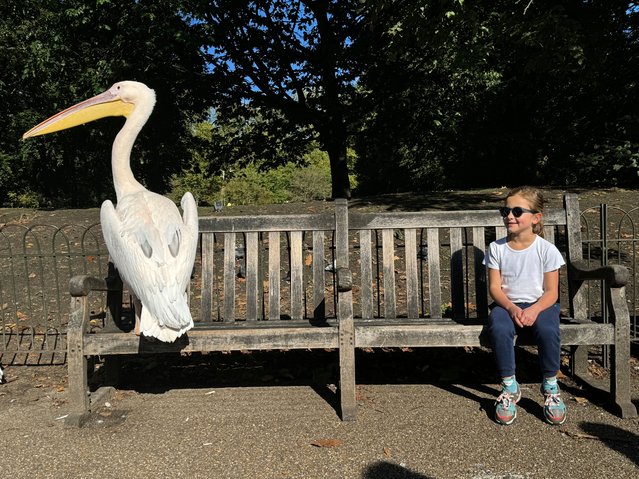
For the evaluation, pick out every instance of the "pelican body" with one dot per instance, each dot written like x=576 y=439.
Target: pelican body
x=149 y=242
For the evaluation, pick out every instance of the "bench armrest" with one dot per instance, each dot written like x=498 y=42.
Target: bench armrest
x=82 y=285
x=615 y=275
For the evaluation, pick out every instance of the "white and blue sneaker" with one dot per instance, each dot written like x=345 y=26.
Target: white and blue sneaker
x=505 y=409
x=554 y=407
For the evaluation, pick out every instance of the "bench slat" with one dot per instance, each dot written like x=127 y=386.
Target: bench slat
x=388 y=257
x=253 y=285
x=208 y=274
x=274 y=275
x=440 y=219
x=319 y=277
x=412 y=281
x=366 y=273
x=481 y=288
x=217 y=339
x=434 y=271
x=297 y=276
x=229 y=277
x=267 y=223
x=457 y=273
x=549 y=234
x=375 y=335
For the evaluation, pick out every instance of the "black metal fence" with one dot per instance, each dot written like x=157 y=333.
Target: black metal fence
x=37 y=261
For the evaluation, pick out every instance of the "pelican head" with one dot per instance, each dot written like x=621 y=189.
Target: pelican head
x=120 y=100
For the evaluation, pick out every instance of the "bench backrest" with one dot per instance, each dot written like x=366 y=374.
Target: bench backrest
x=266 y=267
x=411 y=265
x=429 y=264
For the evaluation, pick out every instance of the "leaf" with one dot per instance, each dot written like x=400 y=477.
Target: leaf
x=387 y=452
x=21 y=316
x=327 y=443
x=577 y=435
x=308 y=260
x=32 y=275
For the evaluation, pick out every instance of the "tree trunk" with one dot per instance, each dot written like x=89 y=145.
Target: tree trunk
x=341 y=187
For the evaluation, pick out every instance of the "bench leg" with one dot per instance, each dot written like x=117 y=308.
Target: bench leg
x=77 y=362
x=78 y=383
x=348 y=400
x=620 y=381
x=620 y=355
x=578 y=361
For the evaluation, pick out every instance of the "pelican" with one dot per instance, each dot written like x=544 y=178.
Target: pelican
x=149 y=242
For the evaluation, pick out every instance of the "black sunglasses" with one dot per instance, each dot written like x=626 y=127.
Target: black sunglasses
x=517 y=211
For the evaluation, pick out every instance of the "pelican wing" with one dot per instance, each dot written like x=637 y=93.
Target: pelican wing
x=153 y=248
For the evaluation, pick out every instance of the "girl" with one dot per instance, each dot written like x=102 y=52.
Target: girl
x=523 y=277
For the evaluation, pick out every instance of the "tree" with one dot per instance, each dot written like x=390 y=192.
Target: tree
x=288 y=56
x=468 y=94
x=424 y=69
x=58 y=53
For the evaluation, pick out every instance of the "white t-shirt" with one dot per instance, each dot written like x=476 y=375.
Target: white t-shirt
x=522 y=271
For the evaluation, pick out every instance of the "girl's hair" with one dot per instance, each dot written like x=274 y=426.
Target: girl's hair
x=536 y=200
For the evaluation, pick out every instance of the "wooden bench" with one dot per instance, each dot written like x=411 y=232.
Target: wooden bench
x=415 y=280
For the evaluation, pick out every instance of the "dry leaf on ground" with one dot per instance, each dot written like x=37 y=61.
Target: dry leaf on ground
x=327 y=443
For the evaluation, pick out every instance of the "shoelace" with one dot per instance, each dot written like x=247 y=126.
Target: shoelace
x=505 y=398
x=552 y=399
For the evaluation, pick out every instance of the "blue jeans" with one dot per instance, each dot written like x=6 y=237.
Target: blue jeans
x=544 y=331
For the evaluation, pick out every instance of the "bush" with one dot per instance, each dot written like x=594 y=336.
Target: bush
x=26 y=199
x=251 y=185
x=607 y=165
x=206 y=190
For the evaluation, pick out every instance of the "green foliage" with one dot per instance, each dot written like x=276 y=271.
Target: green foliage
x=618 y=163
x=204 y=189
x=250 y=184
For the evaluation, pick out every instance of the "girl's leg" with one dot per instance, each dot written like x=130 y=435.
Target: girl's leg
x=502 y=335
x=547 y=335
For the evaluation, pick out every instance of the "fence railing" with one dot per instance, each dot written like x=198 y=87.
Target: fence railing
x=37 y=261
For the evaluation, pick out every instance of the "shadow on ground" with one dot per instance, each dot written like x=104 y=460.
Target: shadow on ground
x=319 y=369
x=617 y=439
x=388 y=470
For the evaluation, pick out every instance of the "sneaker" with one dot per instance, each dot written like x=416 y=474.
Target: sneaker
x=554 y=407
x=505 y=409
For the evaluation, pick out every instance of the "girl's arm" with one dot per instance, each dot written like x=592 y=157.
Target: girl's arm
x=550 y=296
x=494 y=288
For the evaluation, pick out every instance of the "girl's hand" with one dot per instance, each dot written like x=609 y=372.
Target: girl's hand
x=516 y=315
x=529 y=316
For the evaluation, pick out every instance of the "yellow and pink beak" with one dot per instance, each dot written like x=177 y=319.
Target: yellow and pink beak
x=100 y=106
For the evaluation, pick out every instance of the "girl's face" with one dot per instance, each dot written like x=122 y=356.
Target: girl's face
x=523 y=224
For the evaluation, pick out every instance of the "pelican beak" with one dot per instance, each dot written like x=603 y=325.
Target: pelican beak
x=100 y=106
